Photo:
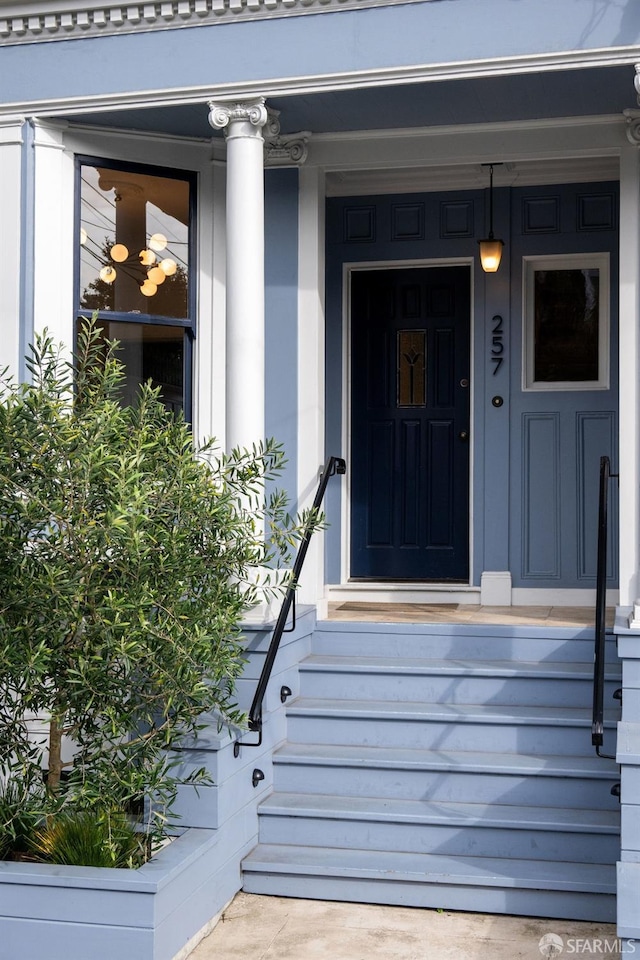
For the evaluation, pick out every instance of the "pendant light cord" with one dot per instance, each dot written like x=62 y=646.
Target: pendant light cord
x=490 y=201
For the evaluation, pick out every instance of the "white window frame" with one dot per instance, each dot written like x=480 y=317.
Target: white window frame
x=573 y=261
x=56 y=146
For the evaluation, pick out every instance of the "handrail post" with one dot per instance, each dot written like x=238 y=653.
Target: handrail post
x=597 y=725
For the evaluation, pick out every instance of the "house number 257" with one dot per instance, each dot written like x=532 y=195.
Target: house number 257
x=497 y=343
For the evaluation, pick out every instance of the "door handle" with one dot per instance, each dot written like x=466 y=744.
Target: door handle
x=463 y=435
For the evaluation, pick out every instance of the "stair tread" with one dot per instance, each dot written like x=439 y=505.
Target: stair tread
x=452 y=813
x=431 y=868
x=445 y=631
x=445 y=760
x=453 y=667
x=447 y=712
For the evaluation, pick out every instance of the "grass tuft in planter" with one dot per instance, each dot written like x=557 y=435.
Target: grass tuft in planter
x=89 y=838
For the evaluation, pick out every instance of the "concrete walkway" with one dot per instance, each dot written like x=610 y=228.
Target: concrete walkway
x=276 y=928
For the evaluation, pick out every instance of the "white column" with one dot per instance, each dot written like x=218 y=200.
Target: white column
x=11 y=135
x=311 y=336
x=53 y=233
x=629 y=465
x=242 y=123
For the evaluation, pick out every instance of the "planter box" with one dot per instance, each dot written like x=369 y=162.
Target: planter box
x=50 y=912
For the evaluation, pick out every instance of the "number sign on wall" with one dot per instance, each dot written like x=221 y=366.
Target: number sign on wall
x=497 y=343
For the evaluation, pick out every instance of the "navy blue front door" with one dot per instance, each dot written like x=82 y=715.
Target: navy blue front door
x=410 y=423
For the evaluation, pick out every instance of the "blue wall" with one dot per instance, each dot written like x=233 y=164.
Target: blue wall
x=558 y=437
x=536 y=456
x=281 y=316
x=413 y=34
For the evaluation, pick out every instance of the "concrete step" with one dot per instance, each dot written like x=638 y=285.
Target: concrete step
x=381 y=723
x=451 y=828
x=495 y=885
x=581 y=782
x=474 y=642
x=445 y=766
x=550 y=683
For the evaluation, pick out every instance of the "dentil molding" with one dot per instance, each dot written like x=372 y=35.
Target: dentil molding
x=64 y=19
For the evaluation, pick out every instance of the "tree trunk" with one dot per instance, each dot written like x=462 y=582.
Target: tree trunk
x=55 y=756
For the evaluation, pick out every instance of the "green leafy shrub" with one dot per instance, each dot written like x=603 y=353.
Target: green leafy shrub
x=21 y=810
x=127 y=560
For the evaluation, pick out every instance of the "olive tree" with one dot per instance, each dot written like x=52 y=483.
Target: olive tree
x=127 y=559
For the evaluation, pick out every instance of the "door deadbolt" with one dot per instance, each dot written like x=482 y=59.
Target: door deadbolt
x=463 y=435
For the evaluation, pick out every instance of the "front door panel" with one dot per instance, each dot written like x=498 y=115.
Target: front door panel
x=410 y=424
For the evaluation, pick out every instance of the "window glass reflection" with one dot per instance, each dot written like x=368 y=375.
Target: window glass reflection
x=567 y=325
x=134 y=242
x=150 y=352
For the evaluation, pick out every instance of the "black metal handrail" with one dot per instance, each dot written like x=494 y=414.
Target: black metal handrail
x=332 y=466
x=597 y=725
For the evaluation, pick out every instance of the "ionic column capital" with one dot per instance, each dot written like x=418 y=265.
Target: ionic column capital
x=633 y=126
x=252 y=114
x=288 y=151
x=282 y=150
x=633 y=116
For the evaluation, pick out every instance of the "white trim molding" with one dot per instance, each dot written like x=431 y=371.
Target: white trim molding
x=629 y=366
x=401 y=592
x=11 y=237
x=590 y=262
x=28 y=22
x=571 y=597
x=349 y=268
x=304 y=85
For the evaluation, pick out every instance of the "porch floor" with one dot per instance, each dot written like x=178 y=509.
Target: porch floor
x=465 y=613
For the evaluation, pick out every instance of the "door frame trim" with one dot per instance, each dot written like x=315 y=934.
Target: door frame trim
x=370 y=265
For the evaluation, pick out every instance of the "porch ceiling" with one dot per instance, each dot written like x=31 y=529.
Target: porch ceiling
x=593 y=91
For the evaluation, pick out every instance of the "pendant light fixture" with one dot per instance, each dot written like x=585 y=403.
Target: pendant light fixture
x=490 y=249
